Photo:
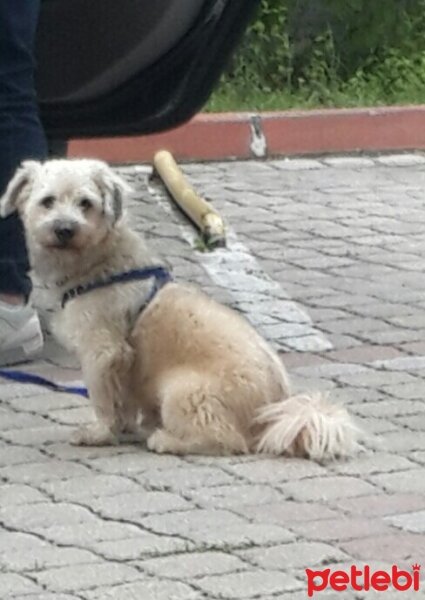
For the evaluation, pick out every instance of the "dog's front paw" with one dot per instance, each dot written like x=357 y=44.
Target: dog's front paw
x=162 y=442
x=157 y=442
x=95 y=434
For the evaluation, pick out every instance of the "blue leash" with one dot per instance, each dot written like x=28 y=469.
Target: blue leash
x=24 y=377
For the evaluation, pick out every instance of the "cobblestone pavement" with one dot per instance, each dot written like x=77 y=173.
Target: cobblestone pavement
x=326 y=257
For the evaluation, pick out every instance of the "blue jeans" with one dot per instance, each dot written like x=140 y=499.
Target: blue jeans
x=21 y=133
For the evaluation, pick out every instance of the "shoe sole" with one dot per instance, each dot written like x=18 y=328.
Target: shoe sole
x=28 y=342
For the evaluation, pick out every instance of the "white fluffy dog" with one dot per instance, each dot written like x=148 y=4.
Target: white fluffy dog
x=199 y=375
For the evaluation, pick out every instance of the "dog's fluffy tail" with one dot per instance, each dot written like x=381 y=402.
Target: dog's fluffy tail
x=308 y=426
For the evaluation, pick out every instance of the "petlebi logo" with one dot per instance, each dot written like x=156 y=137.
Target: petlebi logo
x=363 y=579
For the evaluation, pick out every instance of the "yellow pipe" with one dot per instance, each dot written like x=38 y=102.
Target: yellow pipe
x=194 y=206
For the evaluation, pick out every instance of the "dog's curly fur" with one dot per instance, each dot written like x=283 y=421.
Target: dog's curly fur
x=202 y=378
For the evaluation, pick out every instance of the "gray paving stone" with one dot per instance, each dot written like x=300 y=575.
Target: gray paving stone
x=375 y=426
x=86 y=535
x=147 y=544
x=248 y=585
x=88 y=454
x=286 y=512
x=393 y=548
x=381 y=505
x=406 y=481
x=75 y=489
x=403 y=363
x=46 y=402
x=274 y=470
x=46 y=596
x=377 y=378
x=297 y=164
x=12 y=584
x=296 y=555
x=390 y=408
x=413 y=522
x=37 y=436
x=16 y=541
x=216 y=529
x=14 y=420
x=418 y=457
x=148 y=589
x=46 y=556
x=327 y=488
x=15 y=390
x=137 y=504
x=11 y=455
x=394 y=336
x=349 y=162
x=409 y=391
x=389 y=595
x=345 y=528
x=189 y=566
x=377 y=463
x=42 y=472
x=42 y=514
x=401 y=160
x=16 y=494
x=189 y=478
x=404 y=441
x=138 y=462
x=234 y=497
x=332 y=369
x=413 y=422
x=81 y=577
x=73 y=416
x=308 y=343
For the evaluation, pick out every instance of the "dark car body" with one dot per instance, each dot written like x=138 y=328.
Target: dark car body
x=123 y=67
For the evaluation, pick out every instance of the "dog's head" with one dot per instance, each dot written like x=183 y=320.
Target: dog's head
x=66 y=205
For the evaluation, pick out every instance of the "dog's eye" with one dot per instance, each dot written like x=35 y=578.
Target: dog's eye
x=86 y=204
x=47 y=202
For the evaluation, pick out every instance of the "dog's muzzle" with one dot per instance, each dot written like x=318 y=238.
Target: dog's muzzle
x=64 y=232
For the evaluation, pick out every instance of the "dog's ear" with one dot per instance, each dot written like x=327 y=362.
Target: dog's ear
x=17 y=192
x=113 y=189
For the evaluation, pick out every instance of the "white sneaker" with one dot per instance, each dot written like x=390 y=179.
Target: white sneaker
x=20 y=333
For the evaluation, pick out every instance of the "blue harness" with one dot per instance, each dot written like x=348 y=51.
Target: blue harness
x=161 y=276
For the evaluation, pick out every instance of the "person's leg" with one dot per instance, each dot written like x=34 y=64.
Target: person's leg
x=21 y=136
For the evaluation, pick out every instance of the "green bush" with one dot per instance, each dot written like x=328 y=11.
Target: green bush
x=329 y=53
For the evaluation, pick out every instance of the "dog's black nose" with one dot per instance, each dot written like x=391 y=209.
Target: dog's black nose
x=64 y=233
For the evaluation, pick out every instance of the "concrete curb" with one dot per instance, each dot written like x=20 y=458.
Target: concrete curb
x=246 y=135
